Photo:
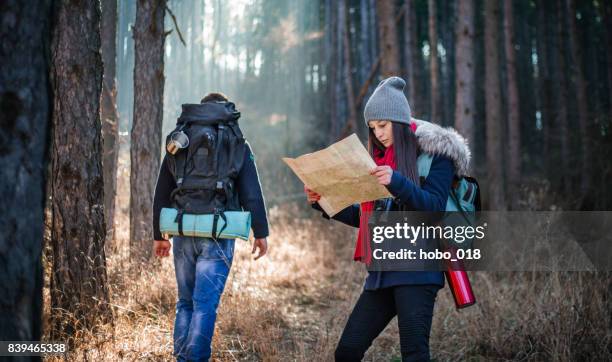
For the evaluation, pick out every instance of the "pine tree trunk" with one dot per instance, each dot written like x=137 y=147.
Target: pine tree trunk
x=581 y=98
x=365 y=62
x=545 y=84
x=606 y=14
x=79 y=292
x=24 y=128
x=108 y=113
x=464 y=74
x=493 y=108
x=421 y=100
x=562 y=99
x=524 y=35
x=387 y=35
x=340 y=66
x=148 y=116
x=331 y=66
x=448 y=71
x=374 y=51
x=514 y=112
x=411 y=51
x=434 y=70
x=125 y=83
x=348 y=80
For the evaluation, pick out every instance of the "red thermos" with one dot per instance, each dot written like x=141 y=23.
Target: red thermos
x=459 y=284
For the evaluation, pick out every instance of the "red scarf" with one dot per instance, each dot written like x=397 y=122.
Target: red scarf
x=363 y=252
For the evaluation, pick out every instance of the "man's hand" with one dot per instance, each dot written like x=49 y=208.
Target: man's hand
x=383 y=173
x=262 y=244
x=161 y=248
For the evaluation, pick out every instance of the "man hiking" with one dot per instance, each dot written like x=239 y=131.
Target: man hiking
x=211 y=172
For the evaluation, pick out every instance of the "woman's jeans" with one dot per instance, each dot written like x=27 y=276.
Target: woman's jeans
x=413 y=305
x=201 y=266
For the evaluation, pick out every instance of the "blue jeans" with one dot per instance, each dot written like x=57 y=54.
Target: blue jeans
x=201 y=266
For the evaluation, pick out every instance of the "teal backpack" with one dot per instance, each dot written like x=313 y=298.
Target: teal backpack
x=464 y=195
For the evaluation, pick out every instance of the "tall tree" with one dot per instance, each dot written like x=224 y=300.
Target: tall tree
x=351 y=125
x=145 y=137
x=514 y=111
x=78 y=282
x=340 y=66
x=545 y=82
x=447 y=92
x=434 y=66
x=365 y=59
x=578 y=79
x=493 y=108
x=125 y=62
x=412 y=52
x=331 y=66
x=464 y=73
x=108 y=112
x=387 y=32
x=606 y=14
x=25 y=117
x=562 y=98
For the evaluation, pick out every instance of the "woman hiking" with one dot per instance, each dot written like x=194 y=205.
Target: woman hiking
x=395 y=141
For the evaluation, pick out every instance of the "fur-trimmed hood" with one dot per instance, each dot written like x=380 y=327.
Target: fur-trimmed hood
x=436 y=140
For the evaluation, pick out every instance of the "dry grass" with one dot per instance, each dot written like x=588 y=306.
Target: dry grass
x=292 y=305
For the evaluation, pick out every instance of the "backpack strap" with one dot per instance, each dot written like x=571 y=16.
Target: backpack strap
x=179 y=219
x=423 y=165
x=218 y=214
x=453 y=196
x=220 y=134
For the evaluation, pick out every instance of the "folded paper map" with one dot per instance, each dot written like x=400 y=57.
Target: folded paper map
x=340 y=173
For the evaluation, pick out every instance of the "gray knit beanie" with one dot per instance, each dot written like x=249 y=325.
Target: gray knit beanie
x=388 y=102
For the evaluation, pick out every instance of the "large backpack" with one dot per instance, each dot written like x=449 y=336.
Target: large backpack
x=206 y=171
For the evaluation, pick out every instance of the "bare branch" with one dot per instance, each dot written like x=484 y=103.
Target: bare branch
x=175 y=26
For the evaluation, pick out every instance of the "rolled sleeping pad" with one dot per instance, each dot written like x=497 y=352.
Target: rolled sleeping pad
x=238 y=224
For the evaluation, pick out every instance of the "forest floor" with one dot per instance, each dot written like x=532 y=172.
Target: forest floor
x=292 y=305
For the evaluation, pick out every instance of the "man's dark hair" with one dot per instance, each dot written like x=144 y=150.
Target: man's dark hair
x=214 y=97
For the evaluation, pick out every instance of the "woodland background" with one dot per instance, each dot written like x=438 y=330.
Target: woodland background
x=88 y=90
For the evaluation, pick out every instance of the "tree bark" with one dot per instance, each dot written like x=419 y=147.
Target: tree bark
x=125 y=60
x=146 y=134
x=562 y=99
x=493 y=108
x=447 y=91
x=411 y=52
x=514 y=111
x=339 y=121
x=464 y=74
x=387 y=35
x=365 y=61
x=25 y=117
x=606 y=15
x=578 y=79
x=79 y=294
x=108 y=113
x=434 y=70
x=348 y=80
x=545 y=84
x=374 y=51
x=331 y=55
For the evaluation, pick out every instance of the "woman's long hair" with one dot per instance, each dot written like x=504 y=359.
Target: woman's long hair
x=405 y=146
